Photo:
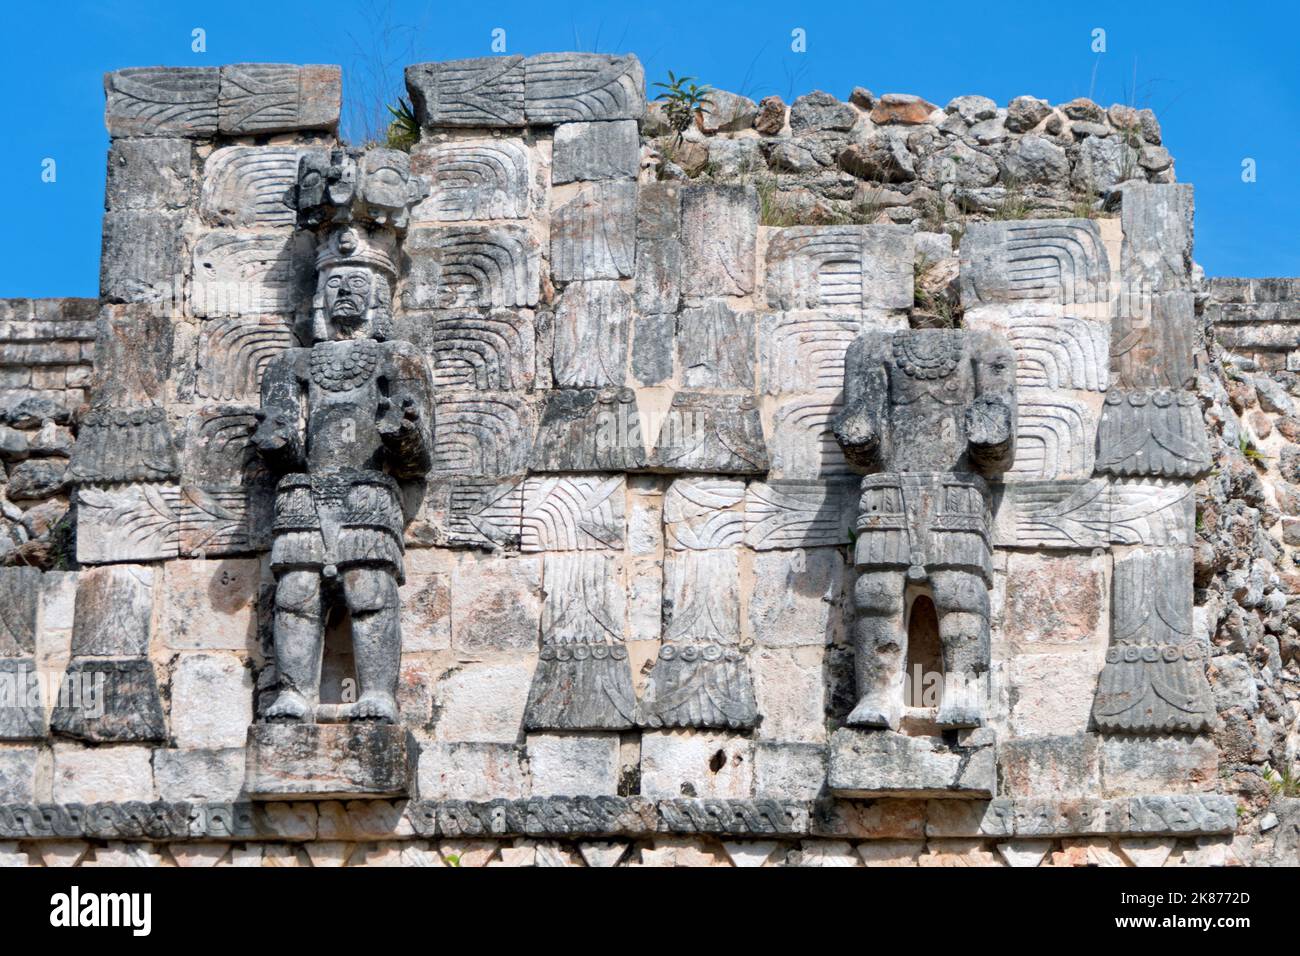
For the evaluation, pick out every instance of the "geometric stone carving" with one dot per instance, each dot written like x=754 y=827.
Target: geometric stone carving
x=251 y=186
x=324 y=761
x=218 y=521
x=583 y=680
x=1154 y=679
x=490 y=351
x=1157 y=221
x=593 y=235
x=589 y=429
x=22 y=712
x=474 y=179
x=161 y=101
x=865 y=764
x=719 y=234
x=1054 y=438
x=592 y=151
x=578 y=513
x=581 y=87
x=1055 y=351
x=1052 y=261
x=482 y=434
x=20 y=590
x=701 y=677
x=248 y=273
x=109 y=701
x=124 y=444
x=1152 y=432
x=113 y=611
x=1086 y=514
x=1152 y=341
x=799 y=514
x=804 y=351
x=127 y=523
x=712 y=432
x=219 y=448
x=854 y=267
x=277 y=97
x=234 y=352
x=471 y=266
x=592 y=328
x=1152 y=512
x=483 y=512
x=703 y=513
x=715 y=347
x=484 y=92
x=803 y=438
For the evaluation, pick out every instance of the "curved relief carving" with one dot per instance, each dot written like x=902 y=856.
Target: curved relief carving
x=473 y=180
x=233 y=354
x=251 y=186
x=483 y=435
x=484 y=267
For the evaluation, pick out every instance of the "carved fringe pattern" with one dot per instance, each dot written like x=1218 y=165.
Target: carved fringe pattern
x=338 y=519
x=927 y=521
x=1154 y=679
x=125 y=444
x=1152 y=432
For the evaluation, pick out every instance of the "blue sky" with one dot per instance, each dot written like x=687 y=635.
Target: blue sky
x=1224 y=80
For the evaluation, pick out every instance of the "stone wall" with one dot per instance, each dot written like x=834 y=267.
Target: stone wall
x=638 y=347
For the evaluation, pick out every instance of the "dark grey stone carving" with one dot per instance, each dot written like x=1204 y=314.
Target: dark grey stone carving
x=483 y=92
x=589 y=429
x=932 y=411
x=22 y=713
x=20 y=590
x=1154 y=679
x=718 y=432
x=277 y=97
x=1152 y=432
x=109 y=701
x=343 y=422
x=162 y=101
x=876 y=764
x=579 y=87
x=124 y=444
x=323 y=761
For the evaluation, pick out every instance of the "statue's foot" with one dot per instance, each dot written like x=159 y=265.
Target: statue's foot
x=873 y=711
x=378 y=707
x=288 y=706
x=961 y=708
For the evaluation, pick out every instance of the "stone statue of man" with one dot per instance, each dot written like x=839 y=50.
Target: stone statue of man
x=343 y=422
x=928 y=413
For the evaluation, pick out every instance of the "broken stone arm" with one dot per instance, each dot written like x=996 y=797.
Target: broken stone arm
x=406 y=415
x=279 y=421
x=866 y=390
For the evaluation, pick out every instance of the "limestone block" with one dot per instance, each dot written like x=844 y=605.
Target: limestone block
x=830 y=267
x=804 y=351
x=573 y=764
x=142 y=258
x=712 y=432
x=102 y=774
x=250 y=273
x=471 y=266
x=652 y=347
x=329 y=760
x=219 y=450
x=19 y=603
x=791 y=513
x=482 y=700
x=278 y=97
x=1095 y=513
x=113 y=611
x=593 y=235
x=790 y=688
x=18 y=770
x=659 y=210
x=148 y=174
x=1169 y=764
x=1055 y=601
x=251 y=186
x=589 y=430
x=482 y=434
x=878 y=763
x=574 y=513
x=234 y=352
x=495 y=603
x=715 y=347
x=472 y=771
x=487 y=350
x=891 y=852
x=797 y=598
x=1146 y=851
x=704 y=512
x=1055 y=436
x=1157 y=220
x=1024 y=853
x=1153 y=340
x=1052 y=351
x=1051 y=766
x=1152 y=432
x=22 y=711
x=580 y=87
x=162 y=101
x=693 y=764
x=109 y=701
x=803 y=442
x=1052 y=693
x=475 y=512
x=211 y=605
x=593 y=324
x=200 y=775
x=425 y=601
x=212 y=701
x=1059 y=262
x=594 y=151
x=472 y=179
x=719 y=235
x=789 y=771
x=482 y=92
x=658 y=281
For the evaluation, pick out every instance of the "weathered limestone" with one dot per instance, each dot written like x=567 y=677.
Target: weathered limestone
x=329 y=760
x=883 y=763
x=1053 y=262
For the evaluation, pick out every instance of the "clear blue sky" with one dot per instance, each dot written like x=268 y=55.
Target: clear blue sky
x=1224 y=79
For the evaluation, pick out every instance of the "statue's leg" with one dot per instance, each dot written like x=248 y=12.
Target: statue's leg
x=880 y=647
x=961 y=599
x=371 y=594
x=298 y=634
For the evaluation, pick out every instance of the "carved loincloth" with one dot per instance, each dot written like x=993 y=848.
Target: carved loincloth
x=337 y=520
x=924 y=522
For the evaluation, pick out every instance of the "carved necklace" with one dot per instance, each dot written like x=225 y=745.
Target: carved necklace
x=930 y=356
x=341 y=367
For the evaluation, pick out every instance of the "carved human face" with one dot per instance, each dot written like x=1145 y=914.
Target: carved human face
x=347 y=293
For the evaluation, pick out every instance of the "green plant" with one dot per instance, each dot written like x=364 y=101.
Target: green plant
x=683 y=100
x=1249 y=451
x=453 y=859
x=1015 y=204
x=404 y=130
x=1284 y=784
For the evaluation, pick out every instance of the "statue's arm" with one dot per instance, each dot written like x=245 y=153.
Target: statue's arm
x=279 y=421
x=406 y=413
x=991 y=417
x=858 y=428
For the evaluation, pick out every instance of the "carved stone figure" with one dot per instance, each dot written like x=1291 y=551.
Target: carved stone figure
x=928 y=413
x=343 y=422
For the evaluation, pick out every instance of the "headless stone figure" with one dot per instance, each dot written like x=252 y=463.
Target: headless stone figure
x=343 y=421
x=928 y=413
